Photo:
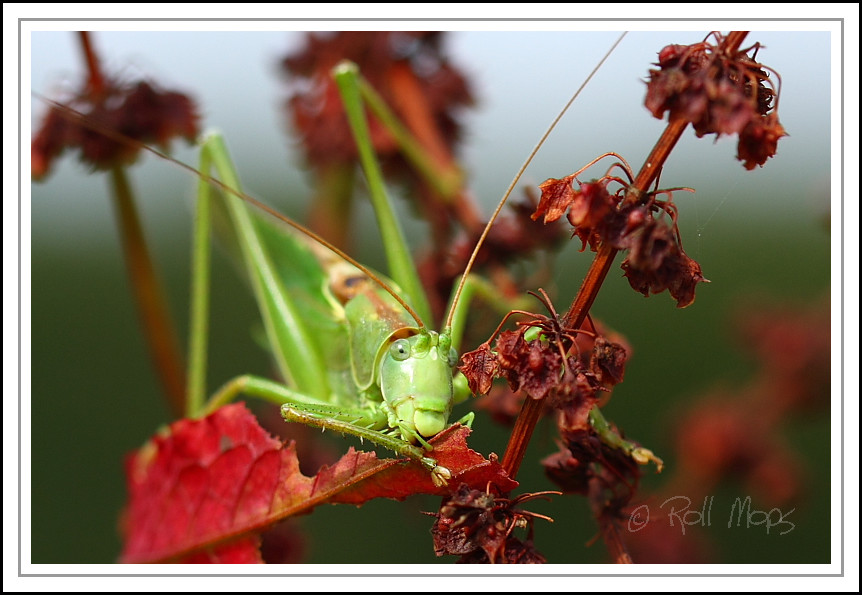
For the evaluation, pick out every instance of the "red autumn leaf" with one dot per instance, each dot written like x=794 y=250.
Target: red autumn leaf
x=205 y=482
x=245 y=550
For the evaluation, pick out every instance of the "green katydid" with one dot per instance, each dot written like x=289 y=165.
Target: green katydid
x=403 y=388
x=398 y=389
x=356 y=355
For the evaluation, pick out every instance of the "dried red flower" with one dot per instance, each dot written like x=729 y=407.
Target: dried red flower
x=478 y=526
x=592 y=209
x=584 y=459
x=480 y=367
x=118 y=122
x=758 y=141
x=718 y=93
x=607 y=361
x=390 y=61
x=555 y=364
x=532 y=366
x=656 y=261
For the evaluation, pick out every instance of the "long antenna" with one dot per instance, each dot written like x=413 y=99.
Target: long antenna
x=116 y=136
x=518 y=177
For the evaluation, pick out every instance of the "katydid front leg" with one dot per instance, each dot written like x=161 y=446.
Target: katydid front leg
x=326 y=420
x=366 y=423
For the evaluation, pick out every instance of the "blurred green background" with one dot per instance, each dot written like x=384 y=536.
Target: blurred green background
x=760 y=237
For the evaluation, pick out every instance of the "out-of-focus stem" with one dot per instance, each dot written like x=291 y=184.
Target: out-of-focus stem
x=156 y=322
x=95 y=81
x=331 y=210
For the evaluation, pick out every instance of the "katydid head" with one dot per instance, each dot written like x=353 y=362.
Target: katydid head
x=416 y=381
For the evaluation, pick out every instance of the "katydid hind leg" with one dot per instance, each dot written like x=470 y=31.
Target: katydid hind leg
x=366 y=423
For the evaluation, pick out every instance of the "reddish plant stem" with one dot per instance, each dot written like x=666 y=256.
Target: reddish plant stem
x=332 y=205
x=95 y=82
x=733 y=40
x=156 y=322
x=595 y=277
x=522 y=432
x=615 y=543
x=608 y=525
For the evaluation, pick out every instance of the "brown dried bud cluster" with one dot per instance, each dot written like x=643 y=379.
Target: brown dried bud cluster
x=543 y=366
x=718 y=93
x=478 y=527
x=110 y=128
x=398 y=64
x=647 y=229
x=588 y=466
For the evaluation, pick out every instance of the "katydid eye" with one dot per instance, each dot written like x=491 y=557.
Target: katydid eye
x=400 y=350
